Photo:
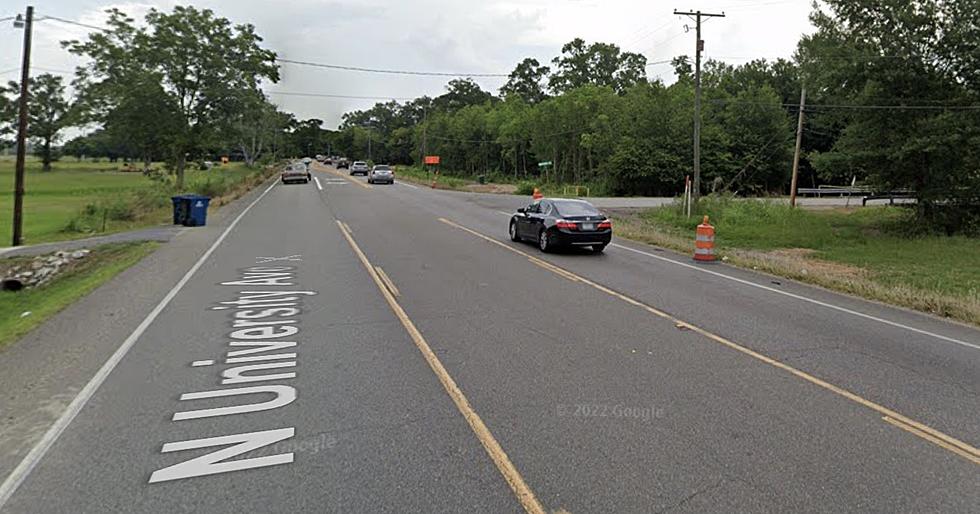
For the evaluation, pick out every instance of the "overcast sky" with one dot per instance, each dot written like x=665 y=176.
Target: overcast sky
x=457 y=36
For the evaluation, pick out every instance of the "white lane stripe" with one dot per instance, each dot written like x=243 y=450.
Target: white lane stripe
x=804 y=298
x=799 y=297
x=406 y=184
x=505 y=213
x=318 y=186
x=19 y=474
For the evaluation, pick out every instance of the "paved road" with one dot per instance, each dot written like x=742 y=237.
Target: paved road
x=346 y=348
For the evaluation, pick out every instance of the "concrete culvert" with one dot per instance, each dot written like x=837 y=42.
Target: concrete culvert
x=11 y=284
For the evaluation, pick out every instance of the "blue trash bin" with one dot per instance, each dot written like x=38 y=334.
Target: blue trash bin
x=197 y=210
x=181 y=209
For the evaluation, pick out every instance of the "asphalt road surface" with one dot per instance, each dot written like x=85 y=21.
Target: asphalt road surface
x=353 y=348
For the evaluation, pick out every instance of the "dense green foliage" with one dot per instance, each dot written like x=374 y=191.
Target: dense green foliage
x=893 y=89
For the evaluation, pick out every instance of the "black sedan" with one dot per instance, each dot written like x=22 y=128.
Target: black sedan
x=560 y=222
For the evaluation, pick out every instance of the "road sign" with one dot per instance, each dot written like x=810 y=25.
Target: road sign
x=544 y=163
x=432 y=159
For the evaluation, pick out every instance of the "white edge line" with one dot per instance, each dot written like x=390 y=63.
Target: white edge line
x=804 y=298
x=20 y=473
x=798 y=297
x=407 y=185
x=318 y=186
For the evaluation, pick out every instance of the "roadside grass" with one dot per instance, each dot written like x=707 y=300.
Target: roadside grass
x=863 y=251
x=420 y=176
x=80 y=199
x=79 y=279
x=499 y=183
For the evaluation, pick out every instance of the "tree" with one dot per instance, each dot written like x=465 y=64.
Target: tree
x=461 y=93
x=526 y=81
x=201 y=61
x=8 y=113
x=598 y=64
x=253 y=126
x=893 y=53
x=49 y=112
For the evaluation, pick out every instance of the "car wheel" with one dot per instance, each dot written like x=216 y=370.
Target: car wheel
x=544 y=241
x=598 y=248
x=513 y=231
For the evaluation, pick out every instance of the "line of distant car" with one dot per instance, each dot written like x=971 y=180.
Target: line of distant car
x=299 y=171
x=548 y=222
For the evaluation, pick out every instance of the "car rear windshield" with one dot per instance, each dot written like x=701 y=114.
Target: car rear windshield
x=576 y=209
x=382 y=168
x=359 y=163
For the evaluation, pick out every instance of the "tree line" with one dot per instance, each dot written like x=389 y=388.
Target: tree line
x=893 y=103
x=183 y=85
x=893 y=89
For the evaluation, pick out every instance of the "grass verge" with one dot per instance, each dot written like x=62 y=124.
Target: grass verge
x=79 y=279
x=857 y=251
x=81 y=199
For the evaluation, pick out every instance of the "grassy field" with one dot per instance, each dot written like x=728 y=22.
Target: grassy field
x=861 y=251
x=81 y=278
x=80 y=199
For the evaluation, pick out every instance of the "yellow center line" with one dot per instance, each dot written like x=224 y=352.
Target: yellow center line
x=930 y=434
x=341 y=175
x=514 y=479
x=388 y=283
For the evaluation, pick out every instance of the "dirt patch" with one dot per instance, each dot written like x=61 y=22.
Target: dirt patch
x=804 y=262
x=506 y=189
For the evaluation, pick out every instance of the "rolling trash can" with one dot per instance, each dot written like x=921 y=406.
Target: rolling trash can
x=191 y=210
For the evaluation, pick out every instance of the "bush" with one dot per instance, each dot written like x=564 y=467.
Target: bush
x=525 y=188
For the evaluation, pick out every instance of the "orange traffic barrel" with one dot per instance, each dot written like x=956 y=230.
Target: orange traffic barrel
x=537 y=194
x=704 y=242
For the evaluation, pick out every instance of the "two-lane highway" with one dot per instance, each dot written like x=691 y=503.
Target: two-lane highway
x=355 y=348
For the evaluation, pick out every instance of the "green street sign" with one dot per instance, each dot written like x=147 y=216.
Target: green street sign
x=545 y=163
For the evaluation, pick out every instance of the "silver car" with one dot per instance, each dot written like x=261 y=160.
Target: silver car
x=295 y=172
x=359 y=168
x=381 y=174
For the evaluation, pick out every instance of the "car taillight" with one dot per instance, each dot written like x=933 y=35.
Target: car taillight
x=604 y=225
x=570 y=225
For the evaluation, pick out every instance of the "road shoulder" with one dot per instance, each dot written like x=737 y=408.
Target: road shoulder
x=44 y=370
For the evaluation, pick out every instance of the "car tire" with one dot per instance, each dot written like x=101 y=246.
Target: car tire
x=544 y=241
x=513 y=231
x=598 y=248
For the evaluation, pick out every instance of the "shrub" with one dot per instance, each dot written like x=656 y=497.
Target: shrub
x=525 y=188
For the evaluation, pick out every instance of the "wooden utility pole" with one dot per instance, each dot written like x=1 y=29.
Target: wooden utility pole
x=25 y=75
x=796 y=155
x=699 y=47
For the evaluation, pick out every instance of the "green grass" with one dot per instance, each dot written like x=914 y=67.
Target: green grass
x=421 y=176
x=74 y=199
x=103 y=263
x=862 y=251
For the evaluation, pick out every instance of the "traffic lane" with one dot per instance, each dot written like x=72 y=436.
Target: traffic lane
x=374 y=430
x=929 y=379
x=43 y=371
x=529 y=348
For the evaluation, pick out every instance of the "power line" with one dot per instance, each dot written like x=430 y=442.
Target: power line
x=388 y=71
x=328 y=95
x=71 y=22
x=853 y=106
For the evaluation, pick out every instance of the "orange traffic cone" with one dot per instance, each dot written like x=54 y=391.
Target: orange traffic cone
x=704 y=243
x=537 y=194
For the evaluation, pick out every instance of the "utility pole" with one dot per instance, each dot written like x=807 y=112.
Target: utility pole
x=796 y=155
x=699 y=47
x=25 y=75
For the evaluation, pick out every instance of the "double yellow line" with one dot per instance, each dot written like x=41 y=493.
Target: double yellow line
x=921 y=430
x=523 y=492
